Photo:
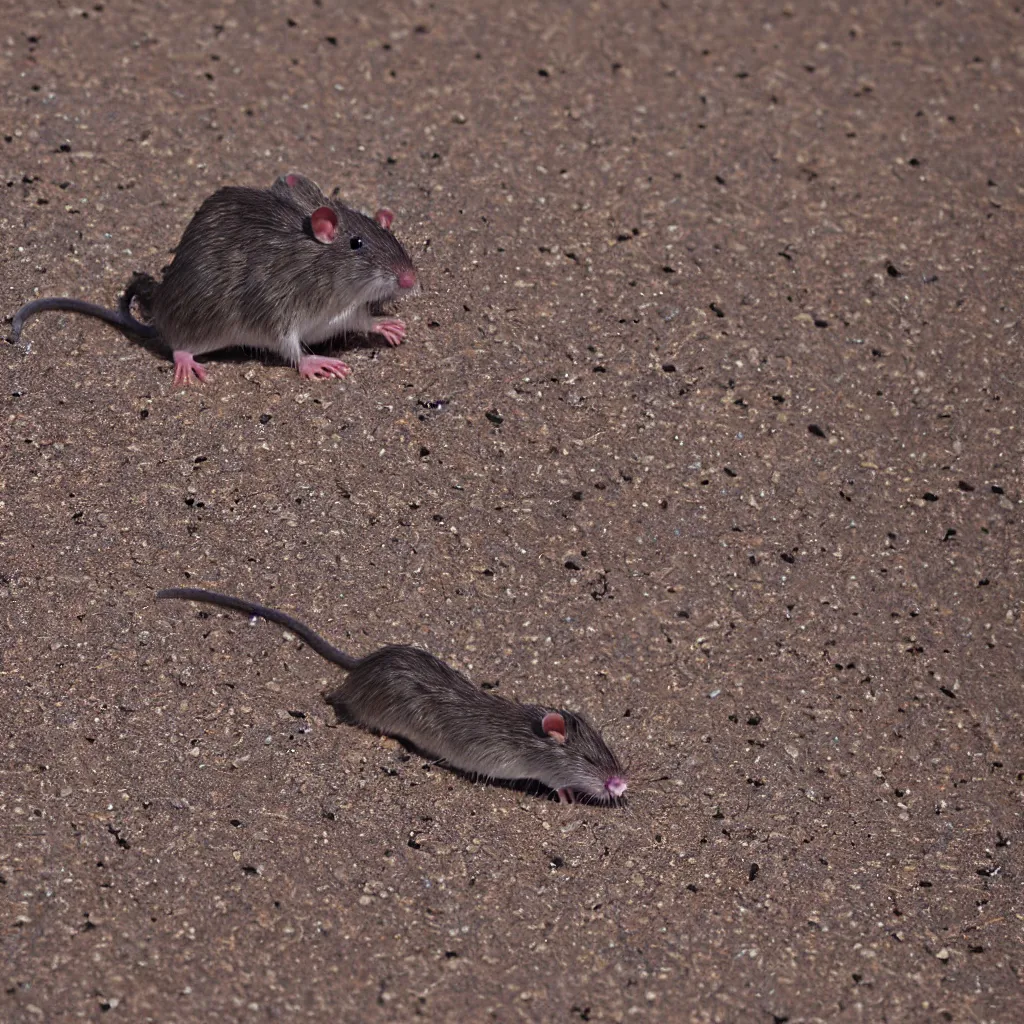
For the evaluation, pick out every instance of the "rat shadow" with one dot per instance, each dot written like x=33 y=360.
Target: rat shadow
x=528 y=787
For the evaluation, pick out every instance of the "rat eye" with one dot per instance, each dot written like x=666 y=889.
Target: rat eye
x=356 y=242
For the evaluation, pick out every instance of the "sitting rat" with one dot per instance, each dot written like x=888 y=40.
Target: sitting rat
x=276 y=269
x=407 y=692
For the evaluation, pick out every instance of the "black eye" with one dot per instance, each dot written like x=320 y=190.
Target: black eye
x=356 y=242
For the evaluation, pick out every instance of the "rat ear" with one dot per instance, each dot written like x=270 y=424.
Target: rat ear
x=324 y=222
x=292 y=180
x=553 y=725
x=384 y=217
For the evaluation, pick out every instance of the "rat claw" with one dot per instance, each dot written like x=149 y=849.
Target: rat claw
x=186 y=367
x=392 y=330
x=323 y=368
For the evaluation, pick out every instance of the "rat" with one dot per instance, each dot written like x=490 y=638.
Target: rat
x=259 y=268
x=406 y=692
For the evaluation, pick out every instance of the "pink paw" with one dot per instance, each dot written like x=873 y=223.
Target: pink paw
x=393 y=330
x=186 y=367
x=323 y=367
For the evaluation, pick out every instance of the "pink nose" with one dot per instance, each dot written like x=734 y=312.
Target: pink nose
x=407 y=279
x=616 y=786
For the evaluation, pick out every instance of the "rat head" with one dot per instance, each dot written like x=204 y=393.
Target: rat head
x=364 y=255
x=577 y=760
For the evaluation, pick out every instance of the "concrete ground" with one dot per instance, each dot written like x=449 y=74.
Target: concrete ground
x=708 y=425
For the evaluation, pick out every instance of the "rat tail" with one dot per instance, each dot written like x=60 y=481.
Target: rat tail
x=327 y=651
x=118 y=317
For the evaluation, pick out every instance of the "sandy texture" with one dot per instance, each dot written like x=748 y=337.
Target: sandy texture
x=708 y=425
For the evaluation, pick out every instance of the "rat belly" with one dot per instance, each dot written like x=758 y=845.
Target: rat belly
x=233 y=336
x=354 y=320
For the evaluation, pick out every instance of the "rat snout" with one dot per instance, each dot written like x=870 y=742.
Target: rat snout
x=407 y=279
x=615 y=786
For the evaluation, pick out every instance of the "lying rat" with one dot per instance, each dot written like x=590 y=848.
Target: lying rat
x=406 y=692
x=264 y=269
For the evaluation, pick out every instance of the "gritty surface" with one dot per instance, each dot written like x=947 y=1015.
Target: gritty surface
x=708 y=425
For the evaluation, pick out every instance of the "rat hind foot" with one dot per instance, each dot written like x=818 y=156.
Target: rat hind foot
x=185 y=367
x=323 y=367
x=393 y=330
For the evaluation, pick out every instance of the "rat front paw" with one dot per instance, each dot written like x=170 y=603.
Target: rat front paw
x=392 y=330
x=323 y=367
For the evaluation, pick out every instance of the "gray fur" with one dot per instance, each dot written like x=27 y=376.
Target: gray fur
x=407 y=692
x=249 y=271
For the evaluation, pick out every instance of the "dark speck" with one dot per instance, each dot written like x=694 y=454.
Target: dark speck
x=814 y=429
x=265 y=418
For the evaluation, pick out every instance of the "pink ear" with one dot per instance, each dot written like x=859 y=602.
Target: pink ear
x=553 y=725
x=384 y=217
x=324 y=222
x=291 y=180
